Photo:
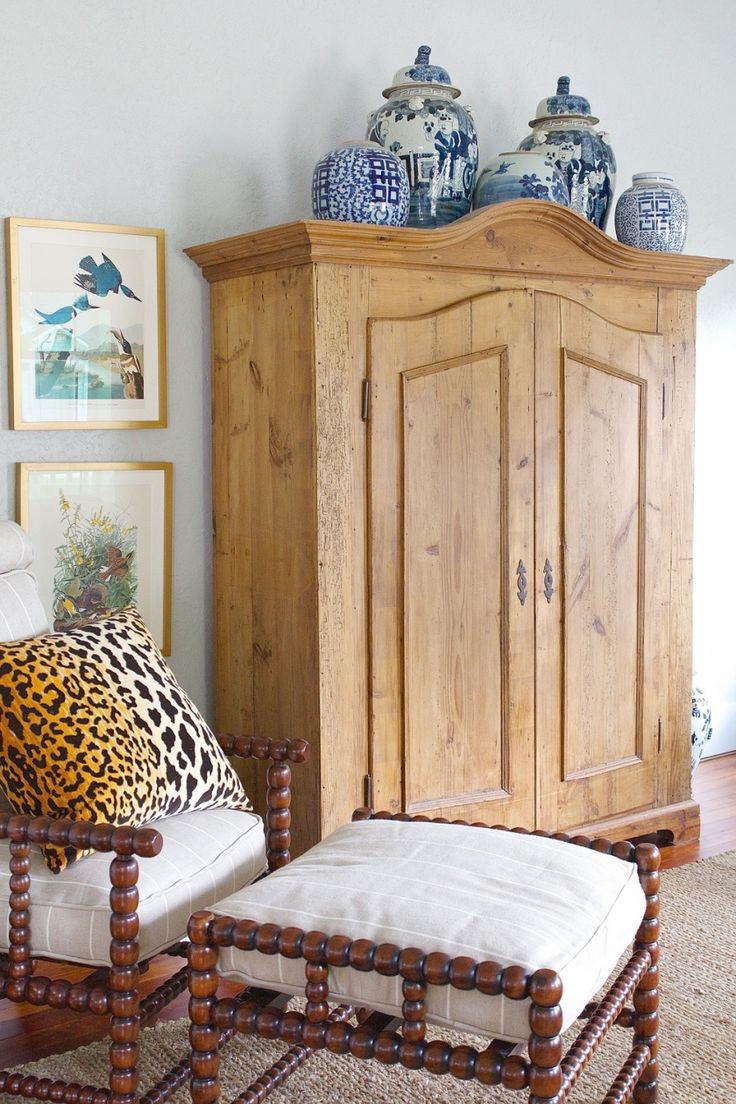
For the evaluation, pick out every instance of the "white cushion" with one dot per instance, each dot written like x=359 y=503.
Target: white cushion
x=492 y=895
x=206 y=854
x=16 y=550
x=21 y=611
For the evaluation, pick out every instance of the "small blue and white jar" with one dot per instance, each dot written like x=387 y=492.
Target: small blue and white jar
x=522 y=174
x=652 y=214
x=435 y=138
x=702 y=726
x=565 y=129
x=361 y=182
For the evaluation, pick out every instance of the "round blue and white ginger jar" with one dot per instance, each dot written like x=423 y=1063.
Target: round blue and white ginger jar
x=361 y=182
x=522 y=174
x=652 y=214
x=565 y=129
x=435 y=138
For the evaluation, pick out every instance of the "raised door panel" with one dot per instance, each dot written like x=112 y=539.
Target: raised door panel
x=450 y=519
x=602 y=535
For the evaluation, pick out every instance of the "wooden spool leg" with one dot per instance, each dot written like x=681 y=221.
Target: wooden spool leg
x=545 y=1044
x=20 y=963
x=278 y=817
x=124 y=997
x=646 y=994
x=203 y=1033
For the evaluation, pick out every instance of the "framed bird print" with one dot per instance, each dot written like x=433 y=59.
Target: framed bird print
x=87 y=325
x=102 y=540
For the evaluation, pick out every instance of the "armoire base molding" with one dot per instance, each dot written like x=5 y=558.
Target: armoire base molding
x=681 y=821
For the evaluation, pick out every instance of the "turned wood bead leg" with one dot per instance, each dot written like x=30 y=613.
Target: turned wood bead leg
x=278 y=815
x=123 y=994
x=203 y=1032
x=545 y=1044
x=413 y=1010
x=20 y=963
x=646 y=994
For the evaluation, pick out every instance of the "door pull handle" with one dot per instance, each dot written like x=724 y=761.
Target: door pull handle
x=548 y=581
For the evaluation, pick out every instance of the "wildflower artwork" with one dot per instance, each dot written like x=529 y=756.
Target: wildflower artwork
x=102 y=540
x=96 y=570
x=88 y=327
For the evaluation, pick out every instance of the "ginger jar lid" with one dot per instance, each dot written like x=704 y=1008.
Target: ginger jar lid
x=421 y=72
x=653 y=177
x=563 y=103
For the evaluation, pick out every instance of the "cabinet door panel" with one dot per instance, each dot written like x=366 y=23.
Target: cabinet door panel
x=603 y=422
x=450 y=487
x=603 y=511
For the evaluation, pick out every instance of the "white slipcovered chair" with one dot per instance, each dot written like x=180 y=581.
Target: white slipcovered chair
x=103 y=911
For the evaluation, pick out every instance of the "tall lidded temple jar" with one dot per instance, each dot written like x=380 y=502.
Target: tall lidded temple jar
x=565 y=128
x=435 y=138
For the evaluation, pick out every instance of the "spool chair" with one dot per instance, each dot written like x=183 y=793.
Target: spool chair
x=393 y=922
x=103 y=912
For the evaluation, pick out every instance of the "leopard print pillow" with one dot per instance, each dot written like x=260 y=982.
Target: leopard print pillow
x=94 y=725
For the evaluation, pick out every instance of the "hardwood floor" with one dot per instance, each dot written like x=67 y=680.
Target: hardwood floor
x=27 y=1032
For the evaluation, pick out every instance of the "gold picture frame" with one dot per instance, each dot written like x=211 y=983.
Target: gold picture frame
x=87 y=309
x=102 y=538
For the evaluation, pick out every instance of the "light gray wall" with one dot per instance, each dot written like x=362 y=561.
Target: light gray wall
x=206 y=119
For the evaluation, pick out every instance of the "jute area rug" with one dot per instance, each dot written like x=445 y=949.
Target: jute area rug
x=698 y=1055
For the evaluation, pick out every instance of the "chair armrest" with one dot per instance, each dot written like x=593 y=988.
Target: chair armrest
x=85 y=835
x=257 y=747
x=278 y=794
x=127 y=843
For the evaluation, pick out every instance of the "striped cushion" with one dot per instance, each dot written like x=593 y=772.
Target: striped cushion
x=16 y=550
x=488 y=894
x=21 y=612
x=206 y=854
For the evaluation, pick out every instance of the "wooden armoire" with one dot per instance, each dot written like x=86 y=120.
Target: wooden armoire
x=453 y=485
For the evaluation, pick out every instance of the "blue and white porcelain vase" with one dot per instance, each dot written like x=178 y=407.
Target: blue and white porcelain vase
x=652 y=214
x=435 y=138
x=361 y=182
x=565 y=129
x=702 y=726
x=522 y=174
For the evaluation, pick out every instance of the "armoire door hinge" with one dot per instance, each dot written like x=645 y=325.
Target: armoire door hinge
x=365 y=399
x=659 y=736
x=664 y=400
x=368 y=791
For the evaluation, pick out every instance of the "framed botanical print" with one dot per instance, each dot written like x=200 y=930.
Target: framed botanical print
x=87 y=325
x=101 y=534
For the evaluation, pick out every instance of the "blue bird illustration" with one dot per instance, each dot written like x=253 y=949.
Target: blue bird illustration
x=102 y=278
x=56 y=318
x=65 y=314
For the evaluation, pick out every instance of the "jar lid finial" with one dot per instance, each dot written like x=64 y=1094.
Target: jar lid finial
x=563 y=103
x=422 y=72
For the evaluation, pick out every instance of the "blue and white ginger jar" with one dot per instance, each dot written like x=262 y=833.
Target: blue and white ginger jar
x=565 y=129
x=361 y=182
x=435 y=138
x=652 y=214
x=522 y=174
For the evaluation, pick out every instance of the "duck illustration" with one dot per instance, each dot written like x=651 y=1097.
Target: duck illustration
x=65 y=314
x=102 y=278
x=130 y=369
